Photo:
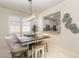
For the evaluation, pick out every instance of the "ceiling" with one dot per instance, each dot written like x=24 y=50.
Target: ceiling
x=23 y=5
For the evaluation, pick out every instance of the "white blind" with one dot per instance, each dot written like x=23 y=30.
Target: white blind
x=14 y=24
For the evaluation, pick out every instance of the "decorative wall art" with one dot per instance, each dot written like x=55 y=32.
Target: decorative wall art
x=69 y=25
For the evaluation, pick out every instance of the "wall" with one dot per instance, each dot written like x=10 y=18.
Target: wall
x=66 y=39
x=3 y=31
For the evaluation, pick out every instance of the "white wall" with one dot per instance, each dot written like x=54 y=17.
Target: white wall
x=3 y=31
x=40 y=23
x=66 y=39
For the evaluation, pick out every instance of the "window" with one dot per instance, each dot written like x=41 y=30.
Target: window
x=15 y=24
x=25 y=25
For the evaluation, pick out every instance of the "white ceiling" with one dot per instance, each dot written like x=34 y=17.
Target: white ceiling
x=23 y=5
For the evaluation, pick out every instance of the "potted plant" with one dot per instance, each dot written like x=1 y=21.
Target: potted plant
x=34 y=29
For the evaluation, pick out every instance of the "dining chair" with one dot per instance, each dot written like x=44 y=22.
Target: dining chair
x=37 y=51
x=44 y=43
x=16 y=49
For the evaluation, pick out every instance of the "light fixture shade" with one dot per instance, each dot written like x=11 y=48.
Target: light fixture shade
x=31 y=17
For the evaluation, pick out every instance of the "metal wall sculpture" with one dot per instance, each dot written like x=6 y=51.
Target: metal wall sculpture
x=69 y=25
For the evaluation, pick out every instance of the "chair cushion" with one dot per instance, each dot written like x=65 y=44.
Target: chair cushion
x=14 y=44
x=18 y=47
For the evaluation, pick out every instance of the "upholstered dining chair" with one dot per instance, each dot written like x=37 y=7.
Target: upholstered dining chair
x=16 y=49
x=45 y=44
x=37 y=51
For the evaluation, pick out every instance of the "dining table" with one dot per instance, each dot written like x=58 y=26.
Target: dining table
x=26 y=40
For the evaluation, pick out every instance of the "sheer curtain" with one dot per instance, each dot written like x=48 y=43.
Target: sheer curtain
x=15 y=24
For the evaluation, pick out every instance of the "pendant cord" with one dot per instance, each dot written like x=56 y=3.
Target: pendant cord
x=30 y=13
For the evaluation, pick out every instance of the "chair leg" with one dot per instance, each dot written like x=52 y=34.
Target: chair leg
x=13 y=55
x=46 y=47
x=32 y=52
x=25 y=54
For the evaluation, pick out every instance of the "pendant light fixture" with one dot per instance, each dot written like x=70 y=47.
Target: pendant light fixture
x=31 y=15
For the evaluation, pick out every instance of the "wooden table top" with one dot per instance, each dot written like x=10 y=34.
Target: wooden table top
x=27 y=40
